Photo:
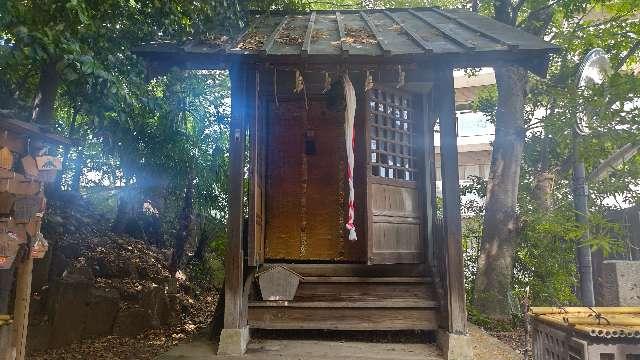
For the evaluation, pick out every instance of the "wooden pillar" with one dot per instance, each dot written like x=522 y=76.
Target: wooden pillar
x=451 y=201
x=234 y=336
x=429 y=182
x=21 y=307
x=6 y=332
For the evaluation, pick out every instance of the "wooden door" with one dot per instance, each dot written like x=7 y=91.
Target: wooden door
x=394 y=211
x=305 y=182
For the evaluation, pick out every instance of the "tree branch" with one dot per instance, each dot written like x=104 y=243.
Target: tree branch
x=536 y=11
x=515 y=10
x=634 y=48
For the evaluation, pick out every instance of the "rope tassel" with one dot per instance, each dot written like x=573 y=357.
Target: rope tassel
x=349 y=114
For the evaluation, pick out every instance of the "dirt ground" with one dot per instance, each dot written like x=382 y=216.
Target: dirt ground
x=407 y=347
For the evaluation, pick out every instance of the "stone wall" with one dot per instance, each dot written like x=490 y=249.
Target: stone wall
x=619 y=283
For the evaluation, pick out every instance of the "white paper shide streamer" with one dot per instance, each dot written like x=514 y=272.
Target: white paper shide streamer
x=349 y=116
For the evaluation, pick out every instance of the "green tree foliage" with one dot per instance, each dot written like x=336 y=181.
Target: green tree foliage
x=545 y=255
x=137 y=141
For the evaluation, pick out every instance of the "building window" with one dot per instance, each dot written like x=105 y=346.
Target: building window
x=473 y=124
x=392 y=135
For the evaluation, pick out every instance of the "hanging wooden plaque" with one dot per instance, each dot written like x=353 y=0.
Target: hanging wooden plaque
x=6 y=261
x=47 y=176
x=30 y=167
x=9 y=246
x=20 y=230
x=46 y=162
x=24 y=186
x=39 y=247
x=7 y=182
x=6 y=202
x=6 y=158
x=48 y=167
x=42 y=204
x=33 y=227
x=25 y=208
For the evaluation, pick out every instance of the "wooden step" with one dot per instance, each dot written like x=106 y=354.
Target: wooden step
x=342 y=318
x=356 y=270
x=352 y=303
x=355 y=279
x=362 y=291
x=385 y=303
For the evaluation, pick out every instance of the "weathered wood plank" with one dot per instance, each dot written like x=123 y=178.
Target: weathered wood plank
x=446 y=32
x=429 y=182
x=256 y=121
x=394 y=270
x=341 y=33
x=240 y=78
x=417 y=38
x=268 y=44
x=356 y=279
x=382 y=41
x=307 y=36
x=384 y=303
x=343 y=319
x=465 y=24
x=500 y=30
x=358 y=292
x=21 y=307
x=451 y=202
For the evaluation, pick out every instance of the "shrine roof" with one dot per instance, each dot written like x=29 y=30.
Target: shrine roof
x=456 y=36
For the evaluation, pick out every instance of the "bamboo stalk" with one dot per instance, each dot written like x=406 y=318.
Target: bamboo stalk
x=542 y=310
x=610 y=320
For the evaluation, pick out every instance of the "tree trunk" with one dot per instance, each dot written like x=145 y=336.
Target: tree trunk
x=67 y=150
x=544 y=180
x=202 y=241
x=186 y=220
x=495 y=264
x=77 y=175
x=46 y=97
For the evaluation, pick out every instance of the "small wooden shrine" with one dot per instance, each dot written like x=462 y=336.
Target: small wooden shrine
x=25 y=166
x=338 y=110
x=585 y=333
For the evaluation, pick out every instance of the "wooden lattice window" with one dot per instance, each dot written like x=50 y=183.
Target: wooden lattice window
x=392 y=135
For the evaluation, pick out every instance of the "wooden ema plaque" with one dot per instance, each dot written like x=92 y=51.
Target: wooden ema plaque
x=30 y=167
x=17 y=184
x=6 y=158
x=33 y=227
x=9 y=245
x=48 y=167
x=6 y=202
x=39 y=247
x=26 y=207
x=7 y=182
x=24 y=186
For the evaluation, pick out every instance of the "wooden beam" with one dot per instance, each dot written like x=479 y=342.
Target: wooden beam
x=233 y=312
x=474 y=28
x=429 y=182
x=417 y=38
x=257 y=136
x=21 y=307
x=449 y=34
x=342 y=33
x=384 y=44
x=451 y=195
x=268 y=44
x=307 y=37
